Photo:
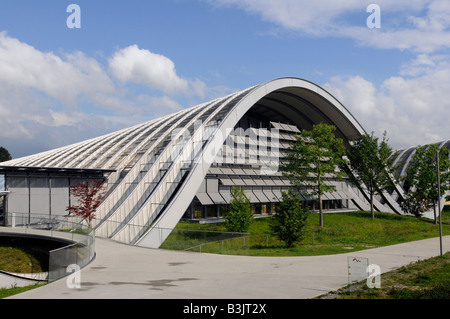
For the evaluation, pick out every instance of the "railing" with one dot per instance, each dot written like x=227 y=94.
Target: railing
x=65 y=259
x=177 y=239
x=239 y=245
x=194 y=240
x=248 y=245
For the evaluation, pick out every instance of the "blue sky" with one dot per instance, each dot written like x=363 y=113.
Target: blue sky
x=132 y=61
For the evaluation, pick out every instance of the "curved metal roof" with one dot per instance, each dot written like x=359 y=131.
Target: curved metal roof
x=297 y=100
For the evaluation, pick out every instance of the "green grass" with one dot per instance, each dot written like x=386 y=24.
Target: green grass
x=425 y=279
x=7 y=292
x=20 y=260
x=343 y=232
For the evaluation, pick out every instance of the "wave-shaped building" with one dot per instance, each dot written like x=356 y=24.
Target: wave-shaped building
x=185 y=164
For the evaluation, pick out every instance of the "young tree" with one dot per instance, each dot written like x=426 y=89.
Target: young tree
x=239 y=216
x=313 y=159
x=422 y=176
x=371 y=162
x=290 y=219
x=89 y=196
x=4 y=154
x=414 y=203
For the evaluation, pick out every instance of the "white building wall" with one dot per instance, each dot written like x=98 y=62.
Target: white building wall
x=59 y=188
x=39 y=196
x=18 y=198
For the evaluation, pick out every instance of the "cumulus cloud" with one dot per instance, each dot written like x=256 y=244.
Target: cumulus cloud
x=49 y=100
x=412 y=110
x=156 y=71
x=64 y=79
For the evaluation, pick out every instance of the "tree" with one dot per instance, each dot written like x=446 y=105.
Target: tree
x=414 y=203
x=290 y=219
x=4 y=155
x=371 y=164
x=90 y=195
x=239 y=216
x=313 y=160
x=422 y=176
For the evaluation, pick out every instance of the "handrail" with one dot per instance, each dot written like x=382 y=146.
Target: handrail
x=81 y=250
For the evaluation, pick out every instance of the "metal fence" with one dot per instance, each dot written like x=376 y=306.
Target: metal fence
x=240 y=245
x=194 y=240
x=79 y=252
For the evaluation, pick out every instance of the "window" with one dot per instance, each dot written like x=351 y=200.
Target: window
x=198 y=211
x=211 y=211
x=2 y=183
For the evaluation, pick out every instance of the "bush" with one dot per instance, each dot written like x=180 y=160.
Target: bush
x=290 y=219
x=239 y=216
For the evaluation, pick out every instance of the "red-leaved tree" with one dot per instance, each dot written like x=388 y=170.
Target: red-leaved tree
x=89 y=197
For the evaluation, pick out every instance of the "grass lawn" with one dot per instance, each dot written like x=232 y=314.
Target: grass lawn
x=342 y=232
x=425 y=279
x=19 y=260
x=6 y=292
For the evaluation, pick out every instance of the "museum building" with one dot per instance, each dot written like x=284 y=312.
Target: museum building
x=184 y=165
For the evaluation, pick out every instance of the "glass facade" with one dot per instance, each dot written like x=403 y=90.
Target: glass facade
x=265 y=142
x=2 y=183
x=211 y=211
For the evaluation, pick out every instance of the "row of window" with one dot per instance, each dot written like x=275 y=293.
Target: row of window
x=198 y=211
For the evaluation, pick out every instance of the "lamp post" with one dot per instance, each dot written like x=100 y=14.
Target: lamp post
x=439 y=199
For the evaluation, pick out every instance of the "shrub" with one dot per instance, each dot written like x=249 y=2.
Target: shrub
x=239 y=216
x=290 y=219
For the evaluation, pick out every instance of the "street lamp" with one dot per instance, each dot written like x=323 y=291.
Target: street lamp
x=439 y=198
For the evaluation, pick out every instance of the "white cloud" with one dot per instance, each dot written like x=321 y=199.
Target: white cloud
x=437 y=19
x=422 y=64
x=49 y=100
x=413 y=106
x=355 y=91
x=404 y=25
x=63 y=79
x=416 y=40
x=156 y=71
x=413 y=110
x=313 y=17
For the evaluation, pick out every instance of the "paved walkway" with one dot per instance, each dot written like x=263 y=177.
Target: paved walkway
x=121 y=271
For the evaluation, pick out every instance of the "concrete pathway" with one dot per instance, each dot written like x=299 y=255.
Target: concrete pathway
x=130 y=272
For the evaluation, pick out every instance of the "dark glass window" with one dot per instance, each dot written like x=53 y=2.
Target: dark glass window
x=211 y=211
